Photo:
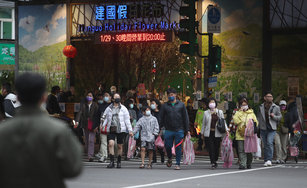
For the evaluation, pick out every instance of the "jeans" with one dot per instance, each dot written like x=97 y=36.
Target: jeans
x=170 y=137
x=213 y=146
x=267 y=139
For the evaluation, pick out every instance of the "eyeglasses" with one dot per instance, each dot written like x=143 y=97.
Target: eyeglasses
x=270 y=96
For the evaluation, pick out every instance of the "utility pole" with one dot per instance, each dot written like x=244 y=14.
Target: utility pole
x=200 y=42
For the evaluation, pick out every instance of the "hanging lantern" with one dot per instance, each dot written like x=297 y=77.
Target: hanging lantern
x=70 y=51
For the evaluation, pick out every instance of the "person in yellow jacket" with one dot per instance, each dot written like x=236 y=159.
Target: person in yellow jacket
x=241 y=118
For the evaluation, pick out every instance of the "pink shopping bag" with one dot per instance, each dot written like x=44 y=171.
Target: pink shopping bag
x=159 y=142
x=293 y=151
x=188 y=151
x=131 y=147
x=227 y=152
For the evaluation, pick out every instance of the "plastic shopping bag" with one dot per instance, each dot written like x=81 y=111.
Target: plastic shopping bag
x=159 y=142
x=293 y=151
x=250 y=144
x=188 y=151
x=131 y=147
x=227 y=152
x=249 y=130
x=173 y=150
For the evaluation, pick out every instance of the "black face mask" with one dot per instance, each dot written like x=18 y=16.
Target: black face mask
x=117 y=100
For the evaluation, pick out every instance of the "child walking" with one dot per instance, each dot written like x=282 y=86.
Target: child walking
x=149 y=127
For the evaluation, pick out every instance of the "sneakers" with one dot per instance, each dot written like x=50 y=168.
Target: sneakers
x=278 y=162
x=102 y=160
x=268 y=163
x=177 y=167
x=169 y=163
x=98 y=155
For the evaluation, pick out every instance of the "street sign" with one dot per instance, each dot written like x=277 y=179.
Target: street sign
x=212 y=82
x=214 y=19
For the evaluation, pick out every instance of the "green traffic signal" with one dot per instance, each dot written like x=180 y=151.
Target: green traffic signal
x=215 y=65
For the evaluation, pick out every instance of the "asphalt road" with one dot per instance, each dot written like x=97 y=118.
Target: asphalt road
x=199 y=174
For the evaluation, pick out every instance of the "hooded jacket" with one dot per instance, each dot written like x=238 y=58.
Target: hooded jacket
x=241 y=118
x=149 y=128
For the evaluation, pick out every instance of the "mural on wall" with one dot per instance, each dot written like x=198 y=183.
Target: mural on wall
x=241 y=41
x=42 y=37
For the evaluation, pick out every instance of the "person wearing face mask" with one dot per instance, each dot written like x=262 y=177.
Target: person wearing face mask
x=86 y=119
x=282 y=134
x=155 y=111
x=117 y=120
x=268 y=117
x=174 y=118
x=149 y=127
x=103 y=102
x=210 y=132
x=199 y=121
x=241 y=118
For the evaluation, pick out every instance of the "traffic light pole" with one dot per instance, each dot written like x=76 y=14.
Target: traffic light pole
x=207 y=61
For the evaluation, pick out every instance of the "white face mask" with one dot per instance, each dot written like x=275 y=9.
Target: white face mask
x=245 y=107
x=148 y=113
x=153 y=106
x=212 y=105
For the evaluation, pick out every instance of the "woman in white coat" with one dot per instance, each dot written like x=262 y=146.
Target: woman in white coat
x=210 y=132
x=117 y=119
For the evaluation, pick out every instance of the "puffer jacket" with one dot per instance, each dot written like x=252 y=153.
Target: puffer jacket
x=241 y=118
x=149 y=128
x=124 y=118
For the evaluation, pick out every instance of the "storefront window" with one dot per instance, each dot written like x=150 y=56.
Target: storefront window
x=7 y=30
x=5 y=12
x=6 y=23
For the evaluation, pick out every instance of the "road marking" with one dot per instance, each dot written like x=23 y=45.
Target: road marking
x=197 y=177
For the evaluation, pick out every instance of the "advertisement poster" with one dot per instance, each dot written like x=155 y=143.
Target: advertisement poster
x=7 y=56
x=42 y=37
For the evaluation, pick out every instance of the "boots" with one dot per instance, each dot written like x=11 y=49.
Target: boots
x=119 y=160
x=111 y=165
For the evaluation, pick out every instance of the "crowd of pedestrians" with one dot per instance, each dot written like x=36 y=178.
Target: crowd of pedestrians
x=112 y=121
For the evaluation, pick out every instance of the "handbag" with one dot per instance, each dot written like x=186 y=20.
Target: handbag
x=221 y=125
x=113 y=129
x=89 y=124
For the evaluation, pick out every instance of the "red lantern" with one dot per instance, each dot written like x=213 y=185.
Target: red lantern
x=70 y=51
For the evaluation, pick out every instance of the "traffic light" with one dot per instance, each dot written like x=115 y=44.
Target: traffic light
x=215 y=61
x=187 y=26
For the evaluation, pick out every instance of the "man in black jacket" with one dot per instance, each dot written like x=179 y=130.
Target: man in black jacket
x=175 y=119
x=53 y=106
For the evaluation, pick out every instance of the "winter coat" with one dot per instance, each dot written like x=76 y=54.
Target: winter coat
x=291 y=116
x=241 y=118
x=124 y=118
x=149 y=128
x=37 y=151
x=273 y=121
x=174 y=117
x=85 y=114
x=206 y=125
x=53 y=106
x=10 y=104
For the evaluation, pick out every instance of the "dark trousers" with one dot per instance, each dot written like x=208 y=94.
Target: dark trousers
x=213 y=146
x=200 y=142
x=155 y=154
